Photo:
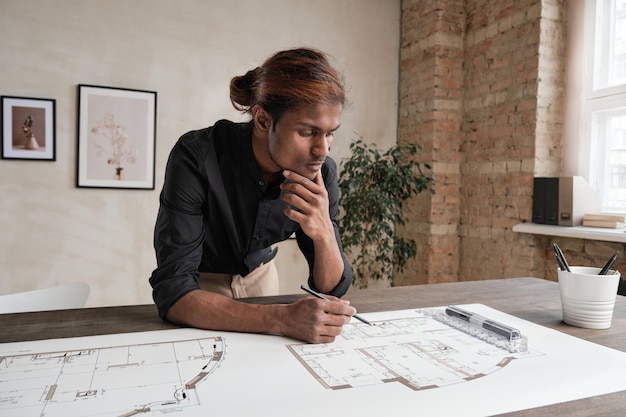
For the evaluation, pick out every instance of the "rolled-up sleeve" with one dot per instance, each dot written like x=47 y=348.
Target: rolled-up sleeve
x=179 y=231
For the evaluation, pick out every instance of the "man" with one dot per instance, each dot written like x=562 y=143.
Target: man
x=234 y=189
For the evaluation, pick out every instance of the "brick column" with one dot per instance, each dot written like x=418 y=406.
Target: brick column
x=431 y=97
x=481 y=85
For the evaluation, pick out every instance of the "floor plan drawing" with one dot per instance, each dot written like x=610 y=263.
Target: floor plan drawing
x=418 y=352
x=409 y=363
x=127 y=380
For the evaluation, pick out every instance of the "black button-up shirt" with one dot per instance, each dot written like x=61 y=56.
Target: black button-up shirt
x=217 y=213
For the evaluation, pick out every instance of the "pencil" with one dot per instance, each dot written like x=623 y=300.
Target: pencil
x=320 y=296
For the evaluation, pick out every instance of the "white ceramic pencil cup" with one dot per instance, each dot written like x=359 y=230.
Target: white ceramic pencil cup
x=588 y=298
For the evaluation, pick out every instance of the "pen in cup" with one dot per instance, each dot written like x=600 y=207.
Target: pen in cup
x=558 y=260
x=320 y=296
x=608 y=265
x=560 y=257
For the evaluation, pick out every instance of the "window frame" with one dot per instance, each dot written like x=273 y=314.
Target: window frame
x=596 y=103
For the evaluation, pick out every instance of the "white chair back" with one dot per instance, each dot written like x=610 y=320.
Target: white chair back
x=61 y=297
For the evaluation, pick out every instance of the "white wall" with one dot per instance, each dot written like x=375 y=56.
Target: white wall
x=187 y=51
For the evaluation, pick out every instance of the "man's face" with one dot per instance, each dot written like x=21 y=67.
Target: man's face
x=301 y=139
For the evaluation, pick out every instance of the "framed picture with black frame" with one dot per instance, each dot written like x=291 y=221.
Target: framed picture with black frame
x=116 y=137
x=28 y=128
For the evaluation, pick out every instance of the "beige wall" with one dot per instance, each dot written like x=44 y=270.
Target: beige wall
x=186 y=51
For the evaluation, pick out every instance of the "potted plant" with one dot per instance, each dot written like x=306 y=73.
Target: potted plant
x=374 y=186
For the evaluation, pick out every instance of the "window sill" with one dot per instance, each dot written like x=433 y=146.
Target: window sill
x=578 y=232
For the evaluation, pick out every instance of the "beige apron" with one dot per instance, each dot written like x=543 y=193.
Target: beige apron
x=260 y=282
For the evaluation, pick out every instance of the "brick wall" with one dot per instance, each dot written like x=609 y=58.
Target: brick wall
x=481 y=89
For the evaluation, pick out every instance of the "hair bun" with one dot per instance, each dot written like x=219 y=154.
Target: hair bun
x=241 y=89
x=245 y=82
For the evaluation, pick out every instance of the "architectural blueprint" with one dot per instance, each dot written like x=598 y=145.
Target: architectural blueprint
x=418 y=352
x=407 y=364
x=160 y=377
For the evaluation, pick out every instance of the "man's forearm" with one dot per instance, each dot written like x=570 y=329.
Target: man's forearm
x=207 y=310
x=328 y=266
x=309 y=319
